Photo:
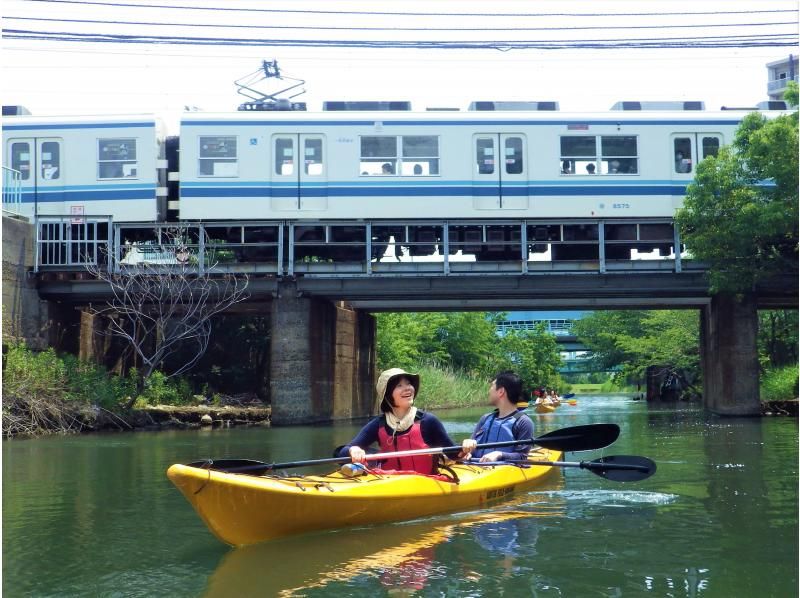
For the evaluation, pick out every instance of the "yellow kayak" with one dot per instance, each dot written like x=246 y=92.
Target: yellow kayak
x=542 y=408
x=245 y=509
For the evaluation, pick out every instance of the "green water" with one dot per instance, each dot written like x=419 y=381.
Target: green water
x=96 y=516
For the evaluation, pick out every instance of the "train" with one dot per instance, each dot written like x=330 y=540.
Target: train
x=503 y=162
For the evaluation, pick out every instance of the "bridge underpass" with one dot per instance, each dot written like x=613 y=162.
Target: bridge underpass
x=323 y=336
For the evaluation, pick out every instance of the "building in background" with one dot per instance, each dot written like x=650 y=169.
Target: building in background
x=780 y=73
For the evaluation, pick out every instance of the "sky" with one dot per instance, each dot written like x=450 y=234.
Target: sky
x=54 y=77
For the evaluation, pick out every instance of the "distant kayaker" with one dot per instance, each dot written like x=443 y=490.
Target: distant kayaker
x=506 y=422
x=401 y=427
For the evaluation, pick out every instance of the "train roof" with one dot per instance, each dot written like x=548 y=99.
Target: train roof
x=82 y=121
x=369 y=118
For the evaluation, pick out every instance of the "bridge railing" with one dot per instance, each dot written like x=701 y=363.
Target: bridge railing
x=367 y=248
x=72 y=242
x=12 y=191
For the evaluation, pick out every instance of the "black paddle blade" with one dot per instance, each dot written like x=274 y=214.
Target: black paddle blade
x=580 y=438
x=621 y=468
x=233 y=465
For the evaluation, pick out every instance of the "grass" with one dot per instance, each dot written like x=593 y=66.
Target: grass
x=780 y=384
x=441 y=388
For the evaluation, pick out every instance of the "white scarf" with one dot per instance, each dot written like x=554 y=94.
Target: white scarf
x=401 y=424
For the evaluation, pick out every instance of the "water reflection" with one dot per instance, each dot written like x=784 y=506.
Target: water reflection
x=399 y=557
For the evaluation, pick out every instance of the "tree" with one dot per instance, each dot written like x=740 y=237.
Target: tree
x=636 y=340
x=740 y=215
x=161 y=301
x=533 y=355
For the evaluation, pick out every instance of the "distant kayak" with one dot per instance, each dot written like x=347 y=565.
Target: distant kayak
x=572 y=402
x=568 y=396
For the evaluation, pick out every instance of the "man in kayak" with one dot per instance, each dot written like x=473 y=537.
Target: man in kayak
x=401 y=427
x=506 y=422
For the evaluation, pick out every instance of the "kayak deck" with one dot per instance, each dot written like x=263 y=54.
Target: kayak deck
x=245 y=509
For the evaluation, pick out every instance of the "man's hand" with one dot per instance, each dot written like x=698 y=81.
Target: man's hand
x=492 y=457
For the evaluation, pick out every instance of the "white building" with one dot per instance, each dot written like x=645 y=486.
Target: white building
x=780 y=73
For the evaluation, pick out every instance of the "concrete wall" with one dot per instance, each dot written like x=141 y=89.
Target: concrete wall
x=729 y=356
x=25 y=316
x=322 y=360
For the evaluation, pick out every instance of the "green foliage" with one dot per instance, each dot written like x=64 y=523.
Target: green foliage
x=467 y=343
x=777 y=337
x=444 y=387
x=740 y=215
x=790 y=95
x=780 y=384
x=638 y=339
x=160 y=390
x=47 y=375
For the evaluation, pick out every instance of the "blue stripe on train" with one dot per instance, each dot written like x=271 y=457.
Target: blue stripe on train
x=443 y=191
x=80 y=196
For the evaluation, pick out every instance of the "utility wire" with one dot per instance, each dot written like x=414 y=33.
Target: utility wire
x=730 y=41
x=415 y=14
x=438 y=29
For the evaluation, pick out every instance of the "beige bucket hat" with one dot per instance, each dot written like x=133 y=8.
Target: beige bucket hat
x=386 y=377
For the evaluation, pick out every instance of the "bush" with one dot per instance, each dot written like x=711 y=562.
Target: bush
x=160 y=390
x=780 y=384
x=444 y=387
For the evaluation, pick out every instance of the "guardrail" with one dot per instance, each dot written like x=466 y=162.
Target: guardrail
x=347 y=249
x=12 y=191
x=776 y=84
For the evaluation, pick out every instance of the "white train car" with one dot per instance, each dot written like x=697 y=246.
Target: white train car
x=443 y=165
x=88 y=165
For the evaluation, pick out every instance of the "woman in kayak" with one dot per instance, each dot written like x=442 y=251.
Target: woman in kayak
x=401 y=427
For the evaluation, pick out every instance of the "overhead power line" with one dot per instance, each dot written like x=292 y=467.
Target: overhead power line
x=416 y=14
x=720 y=41
x=437 y=29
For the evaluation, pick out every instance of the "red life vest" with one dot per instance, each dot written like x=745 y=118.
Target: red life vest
x=408 y=441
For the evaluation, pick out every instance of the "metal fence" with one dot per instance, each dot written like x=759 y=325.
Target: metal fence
x=12 y=191
x=364 y=248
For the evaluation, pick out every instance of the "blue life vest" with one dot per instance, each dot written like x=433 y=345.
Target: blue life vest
x=496 y=430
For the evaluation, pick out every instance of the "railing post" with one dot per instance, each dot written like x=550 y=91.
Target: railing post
x=201 y=250
x=601 y=237
x=368 y=231
x=291 y=250
x=37 y=240
x=280 y=269
x=677 y=247
x=109 y=243
x=446 y=243
x=523 y=237
x=117 y=248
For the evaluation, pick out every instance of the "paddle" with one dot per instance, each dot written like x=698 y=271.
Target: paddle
x=577 y=438
x=619 y=468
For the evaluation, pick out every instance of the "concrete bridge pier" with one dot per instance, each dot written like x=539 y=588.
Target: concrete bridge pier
x=322 y=359
x=729 y=356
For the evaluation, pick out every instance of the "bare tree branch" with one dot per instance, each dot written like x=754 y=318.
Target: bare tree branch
x=162 y=297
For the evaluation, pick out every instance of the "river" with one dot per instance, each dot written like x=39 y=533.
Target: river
x=96 y=516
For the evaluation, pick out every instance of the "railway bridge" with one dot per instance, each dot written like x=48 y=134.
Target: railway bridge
x=320 y=283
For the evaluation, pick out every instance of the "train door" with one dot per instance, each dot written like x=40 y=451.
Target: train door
x=39 y=162
x=299 y=173
x=500 y=171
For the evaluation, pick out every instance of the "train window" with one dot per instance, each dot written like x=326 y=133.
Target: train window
x=218 y=156
x=619 y=155
x=710 y=146
x=513 y=149
x=420 y=155
x=116 y=159
x=51 y=160
x=484 y=155
x=313 y=157
x=284 y=155
x=578 y=154
x=21 y=159
x=683 y=154
x=378 y=156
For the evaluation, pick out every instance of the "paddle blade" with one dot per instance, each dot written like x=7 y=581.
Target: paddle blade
x=622 y=468
x=580 y=438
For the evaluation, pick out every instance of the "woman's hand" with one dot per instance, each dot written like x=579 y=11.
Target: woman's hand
x=467 y=446
x=357 y=454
